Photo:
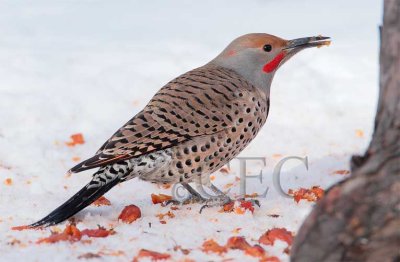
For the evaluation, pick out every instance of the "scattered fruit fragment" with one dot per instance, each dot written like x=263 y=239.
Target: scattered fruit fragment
x=228 y=207
x=20 y=228
x=160 y=198
x=253 y=195
x=100 y=232
x=8 y=182
x=239 y=208
x=183 y=250
x=324 y=43
x=165 y=186
x=168 y=214
x=269 y=237
x=237 y=243
x=213 y=247
x=341 y=172
x=101 y=201
x=151 y=254
x=71 y=233
x=236 y=230
x=270 y=259
x=76 y=139
x=129 y=214
x=247 y=205
x=255 y=251
x=359 y=133
x=311 y=195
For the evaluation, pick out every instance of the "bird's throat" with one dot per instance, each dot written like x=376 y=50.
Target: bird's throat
x=274 y=63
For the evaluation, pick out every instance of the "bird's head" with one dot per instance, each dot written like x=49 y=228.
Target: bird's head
x=258 y=56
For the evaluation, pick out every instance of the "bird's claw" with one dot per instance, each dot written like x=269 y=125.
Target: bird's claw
x=190 y=200
x=224 y=200
x=216 y=201
x=172 y=201
x=254 y=202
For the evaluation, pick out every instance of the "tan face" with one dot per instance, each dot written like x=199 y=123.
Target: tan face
x=268 y=51
x=258 y=56
x=263 y=49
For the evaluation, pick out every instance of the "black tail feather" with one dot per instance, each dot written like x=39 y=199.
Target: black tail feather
x=76 y=203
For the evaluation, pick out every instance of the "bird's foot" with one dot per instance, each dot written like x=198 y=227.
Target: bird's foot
x=192 y=199
x=173 y=202
x=229 y=206
x=219 y=200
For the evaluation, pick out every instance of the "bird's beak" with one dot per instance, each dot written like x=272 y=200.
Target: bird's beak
x=306 y=42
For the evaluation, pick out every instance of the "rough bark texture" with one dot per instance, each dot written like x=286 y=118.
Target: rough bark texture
x=359 y=218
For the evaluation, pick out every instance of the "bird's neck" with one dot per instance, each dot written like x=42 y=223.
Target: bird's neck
x=258 y=79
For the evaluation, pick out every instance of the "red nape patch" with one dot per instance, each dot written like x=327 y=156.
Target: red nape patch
x=271 y=66
x=231 y=53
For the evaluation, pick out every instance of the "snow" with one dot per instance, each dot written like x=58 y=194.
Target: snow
x=88 y=66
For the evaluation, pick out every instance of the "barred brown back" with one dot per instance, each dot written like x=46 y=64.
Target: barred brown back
x=206 y=116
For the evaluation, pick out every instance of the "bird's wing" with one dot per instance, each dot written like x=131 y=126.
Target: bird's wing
x=200 y=102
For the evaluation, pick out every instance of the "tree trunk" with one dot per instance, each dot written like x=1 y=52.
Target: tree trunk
x=359 y=218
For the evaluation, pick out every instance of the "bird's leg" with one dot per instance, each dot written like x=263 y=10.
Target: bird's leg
x=194 y=196
x=216 y=190
x=220 y=199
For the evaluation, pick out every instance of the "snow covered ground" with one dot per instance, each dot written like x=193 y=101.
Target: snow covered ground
x=88 y=66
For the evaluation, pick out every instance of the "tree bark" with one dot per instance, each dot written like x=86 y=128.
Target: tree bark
x=359 y=218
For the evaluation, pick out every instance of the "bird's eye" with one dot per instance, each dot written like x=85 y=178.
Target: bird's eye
x=267 y=48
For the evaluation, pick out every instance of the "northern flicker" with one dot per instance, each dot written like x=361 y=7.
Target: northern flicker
x=193 y=125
